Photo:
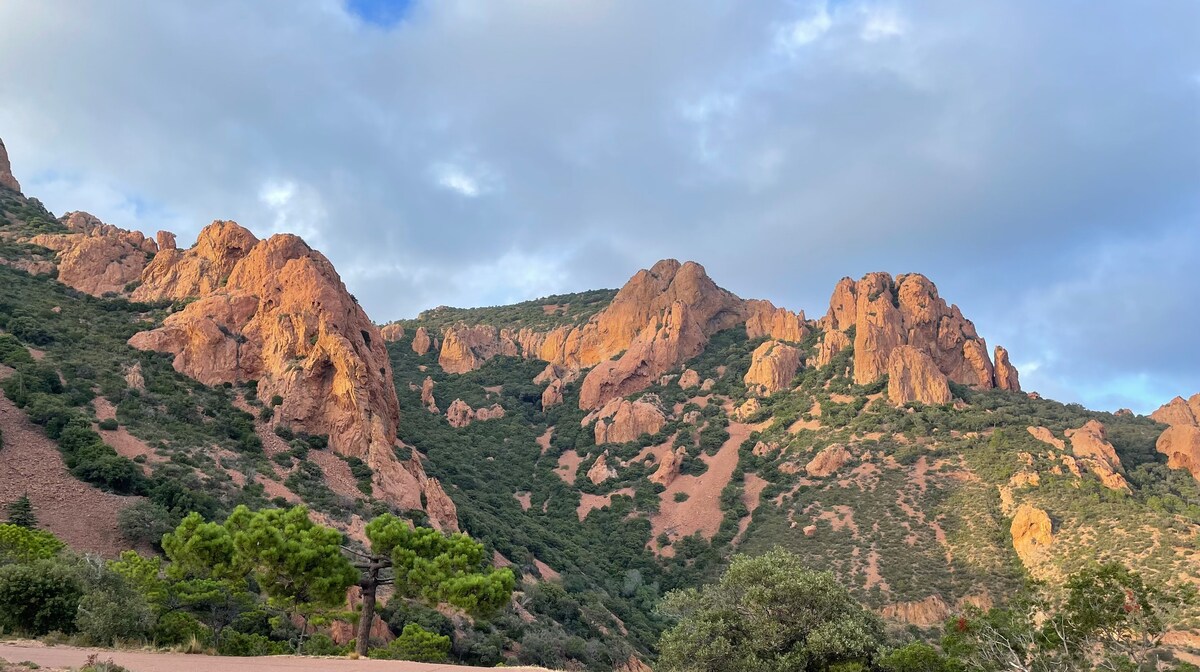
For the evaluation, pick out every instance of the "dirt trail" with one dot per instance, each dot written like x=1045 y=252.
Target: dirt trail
x=140 y=661
x=81 y=515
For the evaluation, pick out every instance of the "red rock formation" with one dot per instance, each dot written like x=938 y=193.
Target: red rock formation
x=600 y=471
x=828 y=461
x=781 y=324
x=391 y=332
x=285 y=319
x=553 y=394
x=460 y=414
x=832 y=342
x=689 y=379
x=772 y=367
x=1179 y=412
x=1031 y=533
x=165 y=240
x=199 y=271
x=427 y=399
x=889 y=313
x=622 y=421
x=97 y=258
x=1007 y=377
x=6 y=176
x=1090 y=445
x=913 y=376
x=422 y=343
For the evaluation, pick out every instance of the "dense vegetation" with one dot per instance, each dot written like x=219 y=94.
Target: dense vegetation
x=544 y=313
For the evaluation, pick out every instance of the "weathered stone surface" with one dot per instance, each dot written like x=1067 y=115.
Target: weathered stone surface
x=553 y=394
x=422 y=343
x=1032 y=532
x=913 y=376
x=284 y=318
x=773 y=365
x=747 y=409
x=622 y=421
x=1046 y=436
x=832 y=342
x=391 y=332
x=1007 y=377
x=460 y=414
x=7 y=179
x=1179 y=411
x=781 y=324
x=668 y=468
x=97 y=258
x=689 y=379
x=600 y=471
x=200 y=270
x=165 y=240
x=888 y=313
x=1090 y=445
x=427 y=399
x=1181 y=445
x=828 y=461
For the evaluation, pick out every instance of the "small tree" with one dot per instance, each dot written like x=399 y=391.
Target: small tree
x=427 y=566
x=767 y=613
x=20 y=512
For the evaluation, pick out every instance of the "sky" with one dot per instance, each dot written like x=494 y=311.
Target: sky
x=1039 y=161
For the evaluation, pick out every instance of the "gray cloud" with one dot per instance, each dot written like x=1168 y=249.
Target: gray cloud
x=1038 y=160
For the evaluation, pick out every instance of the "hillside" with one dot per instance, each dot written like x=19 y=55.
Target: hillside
x=608 y=446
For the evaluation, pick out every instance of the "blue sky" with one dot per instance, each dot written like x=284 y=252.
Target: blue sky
x=1038 y=161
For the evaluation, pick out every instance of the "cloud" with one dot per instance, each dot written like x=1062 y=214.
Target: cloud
x=472 y=152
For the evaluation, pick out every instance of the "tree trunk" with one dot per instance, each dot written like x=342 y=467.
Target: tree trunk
x=369 y=585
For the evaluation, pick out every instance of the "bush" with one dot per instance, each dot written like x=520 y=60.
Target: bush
x=22 y=544
x=109 y=424
x=417 y=644
x=113 y=611
x=39 y=598
x=234 y=643
x=323 y=645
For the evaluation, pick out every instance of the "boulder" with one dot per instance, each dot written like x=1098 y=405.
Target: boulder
x=828 y=461
x=689 y=379
x=622 y=421
x=1089 y=444
x=165 y=240
x=1032 y=532
x=913 y=376
x=1181 y=445
x=553 y=394
x=773 y=365
x=391 y=332
x=427 y=399
x=460 y=414
x=600 y=471
x=421 y=342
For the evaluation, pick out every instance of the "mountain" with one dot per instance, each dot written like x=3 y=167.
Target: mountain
x=609 y=446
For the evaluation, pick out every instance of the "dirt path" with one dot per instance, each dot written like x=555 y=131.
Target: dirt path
x=140 y=661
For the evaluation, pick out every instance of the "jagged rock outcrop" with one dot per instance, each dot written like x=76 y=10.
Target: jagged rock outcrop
x=284 y=318
x=422 y=343
x=201 y=270
x=1047 y=437
x=392 y=332
x=913 y=376
x=689 y=379
x=773 y=365
x=555 y=378
x=165 y=240
x=553 y=394
x=668 y=468
x=828 y=461
x=747 y=409
x=832 y=342
x=466 y=348
x=460 y=414
x=622 y=421
x=427 y=399
x=763 y=319
x=1090 y=445
x=887 y=314
x=7 y=179
x=1007 y=377
x=1032 y=532
x=600 y=471
x=97 y=258
x=1179 y=411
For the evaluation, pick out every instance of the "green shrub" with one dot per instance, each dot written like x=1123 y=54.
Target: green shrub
x=234 y=643
x=417 y=644
x=39 y=597
x=109 y=424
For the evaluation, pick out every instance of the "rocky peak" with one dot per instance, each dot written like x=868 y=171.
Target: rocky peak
x=772 y=367
x=1179 y=411
x=97 y=258
x=913 y=376
x=765 y=320
x=907 y=310
x=7 y=179
x=1090 y=445
x=200 y=270
x=1181 y=441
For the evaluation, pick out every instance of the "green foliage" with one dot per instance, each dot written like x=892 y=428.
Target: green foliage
x=917 y=657
x=767 y=613
x=39 y=597
x=22 y=544
x=112 y=608
x=417 y=644
x=579 y=307
x=20 y=512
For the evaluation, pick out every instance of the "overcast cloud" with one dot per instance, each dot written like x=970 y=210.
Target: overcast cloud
x=1040 y=161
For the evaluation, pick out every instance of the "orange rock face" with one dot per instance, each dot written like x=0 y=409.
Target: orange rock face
x=913 y=376
x=772 y=367
x=427 y=399
x=1090 y=445
x=888 y=313
x=553 y=394
x=1031 y=533
x=460 y=414
x=1181 y=445
x=1179 y=412
x=828 y=461
x=600 y=471
x=6 y=176
x=689 y=379
x=781 y=324
x=97 y=258
x=284 y=318
x=391 y=332
x=832 y=342
x=1007 y=377
x=199 y=271
x=622 y=421
x=421 y=342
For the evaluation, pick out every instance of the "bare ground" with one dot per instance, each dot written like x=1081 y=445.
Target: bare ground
x=66 y=657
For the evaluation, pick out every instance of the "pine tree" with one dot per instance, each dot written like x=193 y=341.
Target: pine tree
x=20 y=513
